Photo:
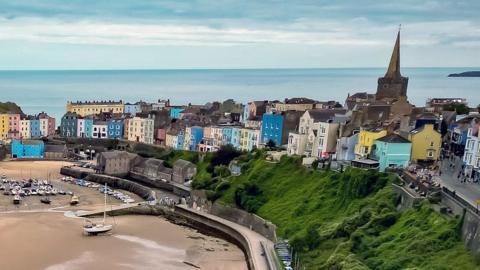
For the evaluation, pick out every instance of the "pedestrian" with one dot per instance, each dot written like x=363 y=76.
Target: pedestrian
x=440 y=173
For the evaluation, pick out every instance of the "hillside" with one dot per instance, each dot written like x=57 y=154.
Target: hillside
x=6 y=107
x=341 y=220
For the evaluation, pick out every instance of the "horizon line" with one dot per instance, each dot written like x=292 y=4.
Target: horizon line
x=244 y=68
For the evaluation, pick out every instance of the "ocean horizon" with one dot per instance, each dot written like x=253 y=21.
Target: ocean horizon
x=49 y=90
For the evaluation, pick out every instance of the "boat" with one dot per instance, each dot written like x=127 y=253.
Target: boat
x=74 y=200
x=17 y=199
x=91 y=228
x=45 y=200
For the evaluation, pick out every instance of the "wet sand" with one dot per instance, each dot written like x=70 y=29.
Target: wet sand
x=51 y=241
x=48 y=240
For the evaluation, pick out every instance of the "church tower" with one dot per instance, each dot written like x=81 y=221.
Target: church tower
x=393 y=86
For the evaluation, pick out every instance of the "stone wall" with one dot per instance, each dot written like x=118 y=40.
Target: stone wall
x=73 y=172
x=249 y=220
x=407 y=199
x=119 y=183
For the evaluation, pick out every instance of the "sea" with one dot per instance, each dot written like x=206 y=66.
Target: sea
x=37 y=91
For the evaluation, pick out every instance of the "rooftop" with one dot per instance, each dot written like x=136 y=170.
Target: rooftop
x=393 y=138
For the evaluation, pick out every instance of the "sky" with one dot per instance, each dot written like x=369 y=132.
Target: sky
x=183 y=34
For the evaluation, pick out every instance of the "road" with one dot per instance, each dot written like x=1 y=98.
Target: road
x=469 y=191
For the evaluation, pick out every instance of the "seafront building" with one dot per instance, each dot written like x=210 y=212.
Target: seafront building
x=95 y=107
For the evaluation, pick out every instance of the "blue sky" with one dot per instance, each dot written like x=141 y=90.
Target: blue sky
x=123 y=34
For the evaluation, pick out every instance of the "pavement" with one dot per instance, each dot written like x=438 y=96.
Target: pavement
x=469 y=191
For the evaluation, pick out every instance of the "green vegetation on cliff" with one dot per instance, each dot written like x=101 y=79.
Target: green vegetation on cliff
x=342 y=220
x=6 y=107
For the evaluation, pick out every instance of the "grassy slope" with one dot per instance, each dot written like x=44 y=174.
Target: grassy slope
x=6 y=107
x=354 y=231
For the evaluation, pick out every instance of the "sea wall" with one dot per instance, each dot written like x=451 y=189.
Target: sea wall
x=406 y=199
x=120 y=183
x=204 y=224
x=249 y=220
x=70 y=171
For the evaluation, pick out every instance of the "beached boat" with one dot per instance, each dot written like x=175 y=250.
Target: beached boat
x=91 y=228
x=45 y=200
x=17 y=199
x=74 y=200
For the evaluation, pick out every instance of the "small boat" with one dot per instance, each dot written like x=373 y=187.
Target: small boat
x=74 y=200
x=91 y=228
x=45 y=200
x=17 y=199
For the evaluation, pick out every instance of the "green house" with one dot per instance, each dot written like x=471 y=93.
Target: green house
x=392 y=151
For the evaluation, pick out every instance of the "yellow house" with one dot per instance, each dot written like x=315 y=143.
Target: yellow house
x=366 y=139
x=3 y=126
x=426 y=143
x=95 y=107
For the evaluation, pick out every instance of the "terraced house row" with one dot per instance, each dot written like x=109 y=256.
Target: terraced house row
x=15 y=126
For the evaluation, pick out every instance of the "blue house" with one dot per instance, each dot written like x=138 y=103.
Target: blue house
x=235 y=137
x=28 y=149
x=196 y=137
x=180 y=140
x=245 y=113
x=115 y=129
x=272 y=128
x=88 y=127
x=226 y=135
x=68 y=125
x=175 y=112
x=35 y=128
x=392 y=151
x=133 y=109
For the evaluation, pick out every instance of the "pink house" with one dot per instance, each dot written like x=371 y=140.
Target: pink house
x=161 y=136
x=14 y=126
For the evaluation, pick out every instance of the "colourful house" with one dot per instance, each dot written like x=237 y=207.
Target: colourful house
x=175 y=112
x=426 y=143
x=14 y=126
x=68 y=125
x=366 y=139
x=35 y=128
x=235 y=139
x=3 y=126
x=392 y=151
x=272 y=127
x=115 y=129
x=28 y=149
x=196 y=137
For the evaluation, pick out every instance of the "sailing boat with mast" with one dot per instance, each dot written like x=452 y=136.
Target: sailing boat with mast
x=96 y=228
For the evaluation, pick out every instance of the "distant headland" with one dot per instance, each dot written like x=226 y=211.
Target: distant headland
x=466 y=74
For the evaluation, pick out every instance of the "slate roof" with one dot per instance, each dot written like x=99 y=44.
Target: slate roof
x=393 y=138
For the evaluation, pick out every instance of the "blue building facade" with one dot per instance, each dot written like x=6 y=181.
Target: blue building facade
x=175 y=112
x=28 y=149
x=235 y=139
x=115 y=129
x=180 y=140
x=132 y=109
x=88 y=127
x=272 y=128
x=245 y=113
x=226 y=135
x=68 y=125
x=35 y=128
x=196 y=137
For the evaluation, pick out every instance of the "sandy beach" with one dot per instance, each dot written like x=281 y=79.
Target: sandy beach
x=38 y=236
x=51 y=241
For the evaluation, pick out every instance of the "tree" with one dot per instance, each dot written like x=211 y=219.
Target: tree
x=223 y=156
x=460 y=108
x=271 y=144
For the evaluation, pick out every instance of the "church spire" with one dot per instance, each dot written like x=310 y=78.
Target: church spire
x=394 y=66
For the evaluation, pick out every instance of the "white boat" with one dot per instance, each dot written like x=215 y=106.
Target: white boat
x=91 y=228
x=17 y=199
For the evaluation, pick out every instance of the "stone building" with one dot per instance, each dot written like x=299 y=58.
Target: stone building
x=116 y=163
x=95 y=107
x=183 y=171
x=393 y=85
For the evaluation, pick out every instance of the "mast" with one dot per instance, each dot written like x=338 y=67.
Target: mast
x=105 y=205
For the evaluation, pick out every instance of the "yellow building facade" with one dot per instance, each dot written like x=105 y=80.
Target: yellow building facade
x=366 y=139
x=426 y=143
x=3 y=126
x=95 y=107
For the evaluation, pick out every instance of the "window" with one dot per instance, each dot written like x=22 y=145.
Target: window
x=430 y=154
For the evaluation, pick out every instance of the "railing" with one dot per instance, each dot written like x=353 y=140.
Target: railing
x=460 y=200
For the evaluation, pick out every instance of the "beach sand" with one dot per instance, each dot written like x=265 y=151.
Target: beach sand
x=53 y=242
x=38 y=236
